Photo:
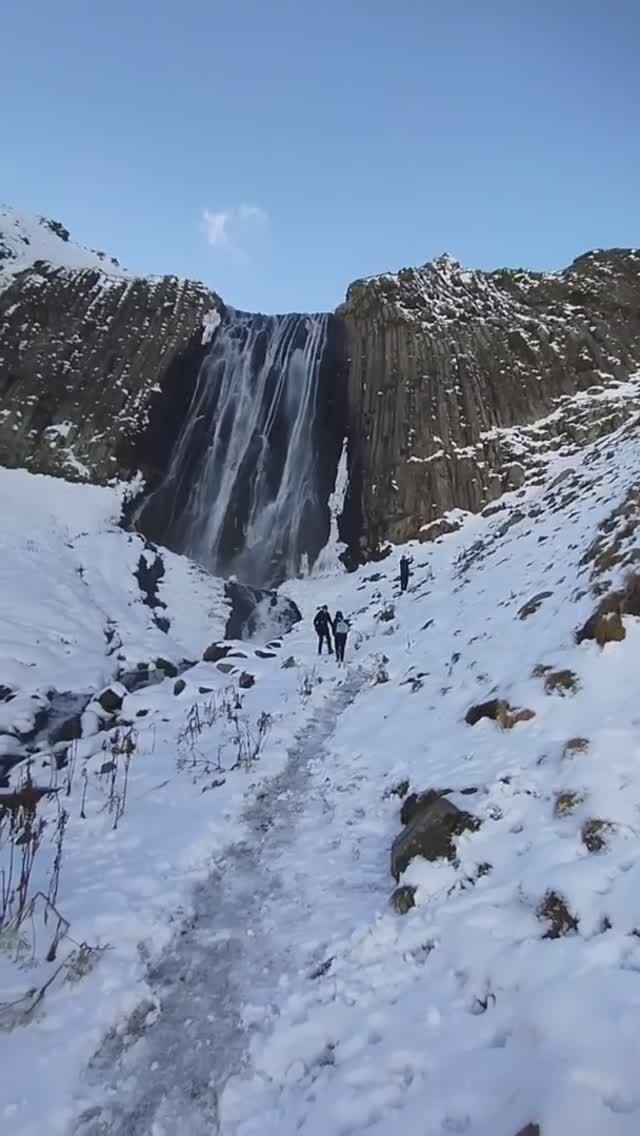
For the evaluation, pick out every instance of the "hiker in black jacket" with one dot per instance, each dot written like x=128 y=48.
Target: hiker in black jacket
x=340 y=632
x=322 y=624
x=404 y=573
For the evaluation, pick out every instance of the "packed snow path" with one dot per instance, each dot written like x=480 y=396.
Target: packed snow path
x=247 y=934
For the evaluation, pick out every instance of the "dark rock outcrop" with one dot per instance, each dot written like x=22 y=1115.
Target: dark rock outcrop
x=441 y=359
x=433 y=824
x=426 y=370
x=97 y=385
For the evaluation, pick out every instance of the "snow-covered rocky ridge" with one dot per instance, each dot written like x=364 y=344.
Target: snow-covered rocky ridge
x=26 y=240
x=286 y=993
x=95 y=363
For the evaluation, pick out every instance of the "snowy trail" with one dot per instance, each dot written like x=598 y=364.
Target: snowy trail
x=167 y=1078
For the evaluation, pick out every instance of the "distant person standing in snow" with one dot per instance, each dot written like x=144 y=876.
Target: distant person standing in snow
x=322 y=624
x=340 y=632
x=404 y=573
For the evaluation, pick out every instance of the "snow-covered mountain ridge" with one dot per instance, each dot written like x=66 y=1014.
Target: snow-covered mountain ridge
x=287 y=994
x=26 y=240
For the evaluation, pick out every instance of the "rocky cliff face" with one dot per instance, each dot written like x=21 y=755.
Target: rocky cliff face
x=443 y=362
x=95 y=365
x=453 y=385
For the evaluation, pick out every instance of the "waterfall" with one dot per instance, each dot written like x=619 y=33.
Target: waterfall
x=241 y=494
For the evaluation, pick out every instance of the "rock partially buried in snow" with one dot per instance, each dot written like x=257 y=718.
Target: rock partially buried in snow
x=560 y=921
x=532 y=605
x=262 y=654
x=179 y=686
x=575 y=745
x=403 y=899
x=430 y=833
x=216 y=651
x=112 y=697
x=225 y=668
x=246 y=681
x=288 y=663
x=530 y=1130
x=605 y=625
x=498 y=710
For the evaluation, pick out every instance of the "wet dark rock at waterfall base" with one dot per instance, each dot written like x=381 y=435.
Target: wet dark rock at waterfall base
x=255 y=611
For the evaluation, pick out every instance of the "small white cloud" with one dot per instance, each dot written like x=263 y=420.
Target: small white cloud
x=216 y=227
x=229 y=228
x=253 y=213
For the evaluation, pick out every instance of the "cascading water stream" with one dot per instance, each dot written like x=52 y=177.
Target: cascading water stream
x=241 y=494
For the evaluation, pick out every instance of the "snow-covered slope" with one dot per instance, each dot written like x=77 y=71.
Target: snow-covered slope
x=286 y=994
x=25 y=239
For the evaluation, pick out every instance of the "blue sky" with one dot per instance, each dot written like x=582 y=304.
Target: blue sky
x=278 y=149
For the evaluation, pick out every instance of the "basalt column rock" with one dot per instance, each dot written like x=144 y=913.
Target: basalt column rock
x=86 y=359
x=441 y=360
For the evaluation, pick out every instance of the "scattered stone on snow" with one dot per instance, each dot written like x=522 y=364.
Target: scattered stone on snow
x=225 y=668
x=430 y=833
x=399 y=790
x=566 y=802
x=561 y=682
x=178 y=687
x=215 y=652
x=261 y=654
x=498 y=710
x=289 y=663
x=575 y=745
x=554 y=910
x=533 y=604
x=246 y=680
x=540 y=670
x=205 y=690
x=605 y=624
x=403 y=899
x=594 y=832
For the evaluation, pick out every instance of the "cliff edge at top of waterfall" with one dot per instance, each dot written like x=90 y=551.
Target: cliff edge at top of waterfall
x=443 y=291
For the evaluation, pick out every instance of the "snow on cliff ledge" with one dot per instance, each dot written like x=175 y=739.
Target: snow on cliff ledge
x=25 y=239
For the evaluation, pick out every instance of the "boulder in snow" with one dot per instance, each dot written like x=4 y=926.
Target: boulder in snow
x=215 y=652
x=246 y=681
x=430 y=832
x=112 y=697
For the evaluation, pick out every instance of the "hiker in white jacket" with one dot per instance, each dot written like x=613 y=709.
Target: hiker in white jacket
x=340 y=632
